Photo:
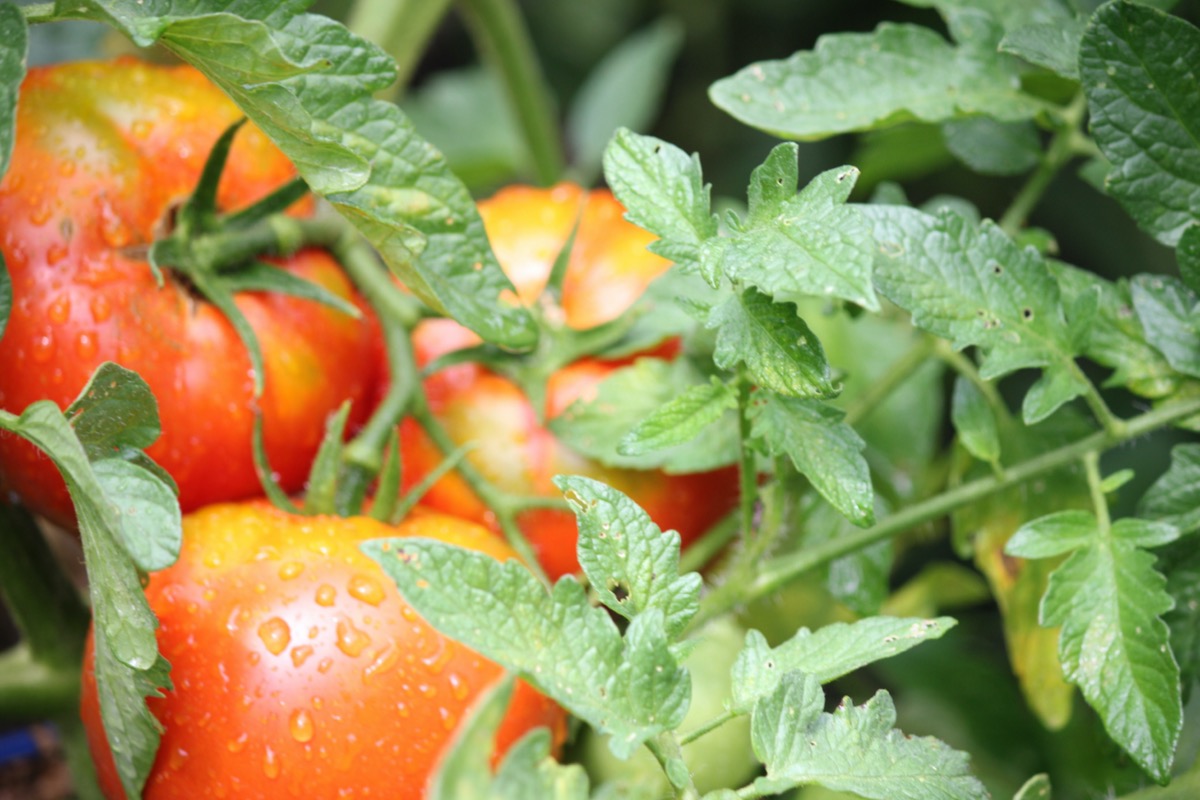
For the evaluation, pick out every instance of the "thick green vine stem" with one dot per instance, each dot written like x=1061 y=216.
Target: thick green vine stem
x=500 y=34
x=780 y=571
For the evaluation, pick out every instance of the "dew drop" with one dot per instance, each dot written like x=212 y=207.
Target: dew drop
x=101 y=310
x=176 y=758
x=366 y=589
x=351 y=640
x=449 y=720
x=275 y=635
x=86 y=346
x=236 y=745
x=271 y=764
x=301 y=725
x=290 y=570
x=384 y=660
x=301 y=654
x=324 y=666
x=60 y=310
x=458 y=686
x=43 y=348
x=326 y=595
x=409 y=614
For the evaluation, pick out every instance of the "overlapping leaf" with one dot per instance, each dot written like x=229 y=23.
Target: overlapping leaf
x=974 y=421
x=911 y=73
x=826 y=654
x=1175 y=497
x=1137 y=67
x=974 y=285
x=855 y=749
x=824 y=449
x=308 y=83
x=1170 y=315
x=1109 y=600
x=15 y=36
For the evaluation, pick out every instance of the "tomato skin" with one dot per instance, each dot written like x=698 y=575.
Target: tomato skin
x=103 y=152
x=298 y=668
x=609 y=269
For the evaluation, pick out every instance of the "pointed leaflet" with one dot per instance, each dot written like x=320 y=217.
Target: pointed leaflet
x=855 y=749
x=680 y=420
x=1012 y=14
x=663 y=191
x=974 y=285
x=796 y=245
x=630 y=687
x=1181 y=564
x=826 y=654
x=308 y=83
x=1114 y=646
x=1138 y=69
x=824 y=449
x=775 y=344
x=1171 y=318
x=974 y=421
x=1175 y=497
x=629 y=396
x=632 y=565
x=1053 y=45
x=861 y=81
x=527 y=771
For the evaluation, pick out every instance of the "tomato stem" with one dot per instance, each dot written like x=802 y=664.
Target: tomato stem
x=501 y=36
x=780 y=571
x=1063 y=147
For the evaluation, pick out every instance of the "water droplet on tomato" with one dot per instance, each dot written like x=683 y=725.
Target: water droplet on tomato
x=176 y=758
x=351 y=640
x=236 y=745
x=271 y=764
x=408 y=613
x=101 y=310
x=301 y=725
x=40 y=214
x=317 y=703
x=383 y=661
x=60 y=310
x=326 y=595
x=324 y=666
x=86 y=346
x=366 y=589
x=427 y=691
x=402 y=709
x=290 y=570
x=458 y=686
x=43 y=348
x=301 y=654
x=275 y=635
x=437 y=660
x=449 y=720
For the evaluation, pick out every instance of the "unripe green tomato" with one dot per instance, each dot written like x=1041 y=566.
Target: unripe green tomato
x=722 y=758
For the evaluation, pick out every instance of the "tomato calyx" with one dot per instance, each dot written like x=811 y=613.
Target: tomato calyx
x=218 y=254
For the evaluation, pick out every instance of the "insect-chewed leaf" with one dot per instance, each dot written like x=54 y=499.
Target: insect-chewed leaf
x=912 y=74
x=806 y=244
x=855 y=749
x=974 y=285
x=631 y=564
x=826 y=654
x=826 y=450
x=630 y=687
x=1144 y=109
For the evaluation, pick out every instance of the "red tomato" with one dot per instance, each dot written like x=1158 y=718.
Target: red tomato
x=104 y=153
x=609 y=269
x=299 y=670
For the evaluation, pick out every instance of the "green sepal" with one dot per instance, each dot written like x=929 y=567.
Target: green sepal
x=321 y=490
x=199 y=213
x=259 y=276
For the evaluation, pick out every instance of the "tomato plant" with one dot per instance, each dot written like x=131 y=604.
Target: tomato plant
x=298 y=669
x=607 y=269
x=105 y=155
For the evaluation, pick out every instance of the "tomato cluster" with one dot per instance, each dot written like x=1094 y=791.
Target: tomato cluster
x=296 y=665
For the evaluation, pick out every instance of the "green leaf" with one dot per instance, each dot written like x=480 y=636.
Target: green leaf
x=1036 y=788
x=1012 y=14
x=664 y=192
x=623 y=91
x=991 y=147
x=912 y=74
x=1053 y=534
x=1187 y=253
x=681 y=420
x=824 y=449
x=1181 y=565
x=1175 y=496
x=1137 y=69
x=150 y=518
x=1053 y=45
x=974 y=421
x=6 y=295
x=631 y=564
x=825 y=654
x=1168 y=311
x=1114 y=645
x=14 y=32
x=855 y=749
x=634 y=394
x=806 y=244
x=1116 y=339
x=973 y=285
x=114 y=412
x=528 y=769
x=308 y=83
x=775 y=344
x=630 y=687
